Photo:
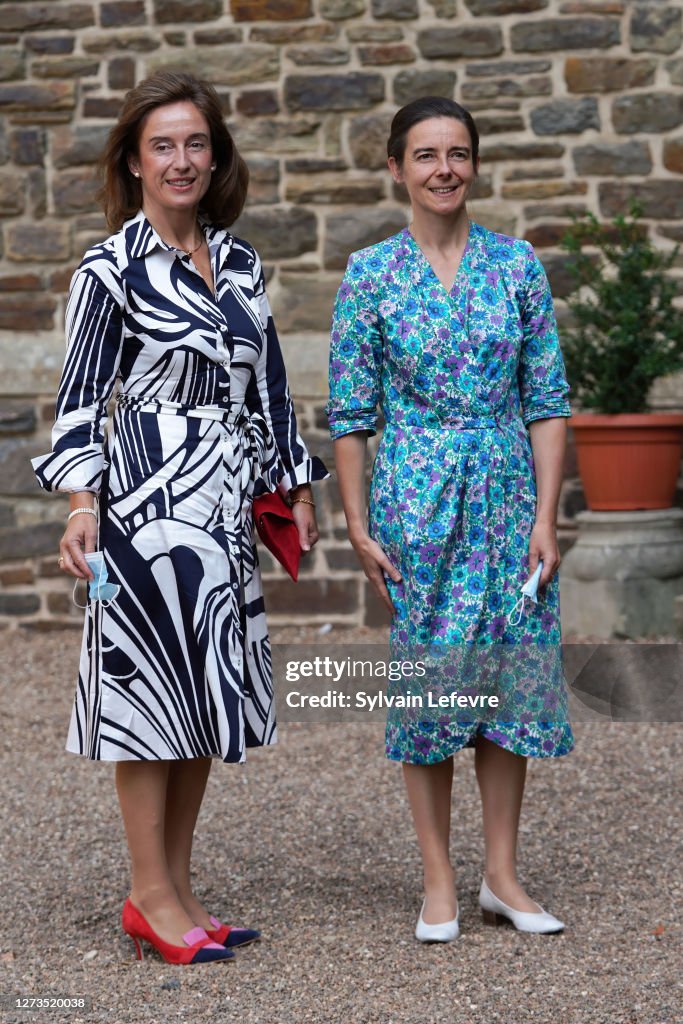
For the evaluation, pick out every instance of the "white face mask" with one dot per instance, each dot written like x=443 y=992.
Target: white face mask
x=529 y=590
x=99 y=588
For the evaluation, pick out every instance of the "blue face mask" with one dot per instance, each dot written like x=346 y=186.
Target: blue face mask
x=529 y=590
x=99 y=589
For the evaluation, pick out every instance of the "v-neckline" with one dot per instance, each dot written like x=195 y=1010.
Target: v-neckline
x=453 y=291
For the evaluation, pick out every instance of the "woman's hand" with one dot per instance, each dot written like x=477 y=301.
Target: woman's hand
x=80 y=536
x=306 y=524
x=543 y=545
x=375 y=565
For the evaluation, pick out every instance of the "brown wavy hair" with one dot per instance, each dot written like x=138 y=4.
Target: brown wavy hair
x=121 y=193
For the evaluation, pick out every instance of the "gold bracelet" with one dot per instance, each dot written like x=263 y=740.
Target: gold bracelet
x=304 y=501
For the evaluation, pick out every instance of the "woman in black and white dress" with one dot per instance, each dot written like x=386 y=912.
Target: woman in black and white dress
x=175 y=669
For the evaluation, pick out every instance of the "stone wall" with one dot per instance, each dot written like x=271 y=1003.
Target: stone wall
x=579 y=105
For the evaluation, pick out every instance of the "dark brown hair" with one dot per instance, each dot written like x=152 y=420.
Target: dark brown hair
x=421 y=110
x=121 y=193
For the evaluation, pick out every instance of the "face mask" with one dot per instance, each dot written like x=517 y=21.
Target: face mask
x=99 y=588
x=529 y=590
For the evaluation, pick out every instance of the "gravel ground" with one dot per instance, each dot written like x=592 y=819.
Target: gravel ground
x=312 y=842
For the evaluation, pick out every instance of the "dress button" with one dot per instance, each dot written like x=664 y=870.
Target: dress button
x=224 y=399
x=224 y=328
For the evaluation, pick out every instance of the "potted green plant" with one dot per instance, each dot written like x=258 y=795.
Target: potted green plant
x=624 y=332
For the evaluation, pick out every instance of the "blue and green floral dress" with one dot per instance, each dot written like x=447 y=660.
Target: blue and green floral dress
x=458 y=377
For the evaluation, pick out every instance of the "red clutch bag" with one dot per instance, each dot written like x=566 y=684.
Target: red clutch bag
x=276 y=528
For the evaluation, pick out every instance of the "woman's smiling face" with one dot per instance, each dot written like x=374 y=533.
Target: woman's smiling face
x=437 y=168
x=174 y=158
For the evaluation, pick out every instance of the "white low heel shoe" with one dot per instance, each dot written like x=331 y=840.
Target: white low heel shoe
x=445 y=932
x=494 y=911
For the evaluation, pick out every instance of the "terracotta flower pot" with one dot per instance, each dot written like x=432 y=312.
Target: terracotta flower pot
x=628 y=461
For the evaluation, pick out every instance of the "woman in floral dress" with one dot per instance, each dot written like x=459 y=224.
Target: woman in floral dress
x=449 y=328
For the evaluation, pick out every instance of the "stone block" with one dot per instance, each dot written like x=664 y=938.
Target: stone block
x=334 y=188
x=218 y=36
x=20 y=282
x=561 y=281
x=304 y=302
x=313 y=165
x=338 y=10
x=27 y=146
x=284 y=136
x=124 y=42
x=374 y=33
x=622 y=576
x=17 y=603
x=49 y=44
x=607 y=74
x=65 y=67
x=495 y=216
x=281 y=35
x=41 y=626
x=411 y=85
x=60 y=603
x=104 y=107
x=444 y=8
x=377 y=54
x=653 y=112
x=465 y=41
x=495 y=68
x=368 y=136
x=543 y=189
x=80 y=145
x=655 y=28
x=353 y=91
x=613 y=159
x=519 y=151
x=74 y=191
x=47 y=242
x=545 y=236
x=533 y=171
x=494 y=8
x=375 y=615
x=29 y=17
x=7 y=514
x=27 y=313
x=175 y=38
x=566 y=117
x=121 y=73
x=494 y=88
x=264 y=180
x=482 y=187
x=566 y=210
x=279 y=234
x=16 y=416
x=36 y=181
x=675 y=69
x=37 y=97
x=673 y=155
x=303 y=55
x=12 y=65
x=17 y=543
x=342 y=559
x=494 y=124
x=660 y=199
x=270 y=10
x=122 y=13
x=11 y=193
x=395 y=9
x=552 y=34
x=328 y=597
x=22 y=575
x=346 y=233
x=170 y=12
x=257 y=102
x=233 y=64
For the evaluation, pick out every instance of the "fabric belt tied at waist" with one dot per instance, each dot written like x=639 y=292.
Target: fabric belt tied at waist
x=230 y=413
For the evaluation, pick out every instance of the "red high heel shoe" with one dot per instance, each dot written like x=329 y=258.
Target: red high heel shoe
x=200 y=949
x=227 y=935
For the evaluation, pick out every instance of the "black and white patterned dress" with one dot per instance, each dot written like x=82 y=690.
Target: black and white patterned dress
x=178 y=666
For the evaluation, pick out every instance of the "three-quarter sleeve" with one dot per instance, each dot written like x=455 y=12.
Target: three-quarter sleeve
x=355 y=355
x=543 y=386
x=268 y=394
x=94 y=329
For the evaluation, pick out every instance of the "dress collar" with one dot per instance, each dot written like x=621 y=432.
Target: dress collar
x=142 y=239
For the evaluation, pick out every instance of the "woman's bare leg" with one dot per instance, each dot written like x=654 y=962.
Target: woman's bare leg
x=429 y=794
x=142 y=788
x=501 y=776
x=184 y=795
